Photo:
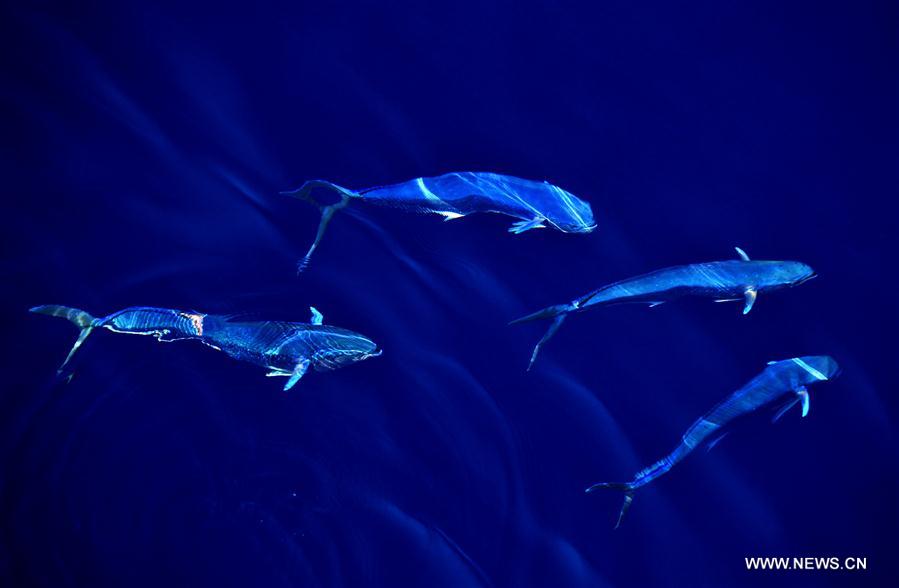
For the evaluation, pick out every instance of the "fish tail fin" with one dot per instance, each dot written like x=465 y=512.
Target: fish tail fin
x=304 y=192
x=626 y=487
x=544 y=313
x=557 y=313
x=79 y=318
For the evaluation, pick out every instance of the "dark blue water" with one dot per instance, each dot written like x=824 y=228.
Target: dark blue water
x=144 y=148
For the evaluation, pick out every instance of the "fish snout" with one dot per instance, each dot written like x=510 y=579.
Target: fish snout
x=368 y=349
x=803 y=273
x=820 y=367
x=831 y=368
x=806 y=278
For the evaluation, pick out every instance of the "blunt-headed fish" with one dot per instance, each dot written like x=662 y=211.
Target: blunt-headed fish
x=285 y=348
x=781 y=383
x=454 y=195
x=724 y=281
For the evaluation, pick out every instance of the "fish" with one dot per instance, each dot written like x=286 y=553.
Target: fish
x=455 y=195
x=732 y=280
x=284 y=348
x=783 y=381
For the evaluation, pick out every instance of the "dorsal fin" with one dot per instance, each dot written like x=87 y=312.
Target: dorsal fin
x=316 y=316
x=742 y=254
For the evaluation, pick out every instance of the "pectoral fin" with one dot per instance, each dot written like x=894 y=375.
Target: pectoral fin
x=783 y=409
x=801 y=396
x=448 y=216
x=716 y=440
x=523 y=226
x=802 y=392
x=166 y=336
x=751 y=294
x=298 y=373
x=316 y=316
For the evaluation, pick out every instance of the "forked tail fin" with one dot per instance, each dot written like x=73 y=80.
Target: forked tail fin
x=79 y=318
x=626 y=487
x=305 y=193
x=557 y=313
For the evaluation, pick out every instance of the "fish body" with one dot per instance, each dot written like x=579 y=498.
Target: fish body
x=286 y=348
x=455 y=195
x=730 y=280
x=783 y=381
x=459 y=194
x=278 y=345
x=720 y=280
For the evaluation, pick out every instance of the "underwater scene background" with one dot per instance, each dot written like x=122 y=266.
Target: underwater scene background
x=144 y=149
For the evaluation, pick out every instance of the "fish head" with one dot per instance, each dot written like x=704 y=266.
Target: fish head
x=816 y=368
x=782 y=274
x=577 y=216
x=824 y=364
x=798 y=272
x=566 y=212
x=345 y=348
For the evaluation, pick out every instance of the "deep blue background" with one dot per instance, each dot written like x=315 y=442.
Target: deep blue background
x=143 y=151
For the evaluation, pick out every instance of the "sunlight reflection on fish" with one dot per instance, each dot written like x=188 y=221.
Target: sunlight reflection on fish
x=241 y=186
x=395 y=248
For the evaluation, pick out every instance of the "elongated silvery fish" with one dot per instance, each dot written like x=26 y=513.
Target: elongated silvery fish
x=454 y=195
x=285 y=348
x=781 y=382
x=724 y=281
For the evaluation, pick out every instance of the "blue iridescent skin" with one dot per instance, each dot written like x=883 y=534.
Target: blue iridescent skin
x=782 y=382
x=285 y=348
x=455 y=195
x=724 y=281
